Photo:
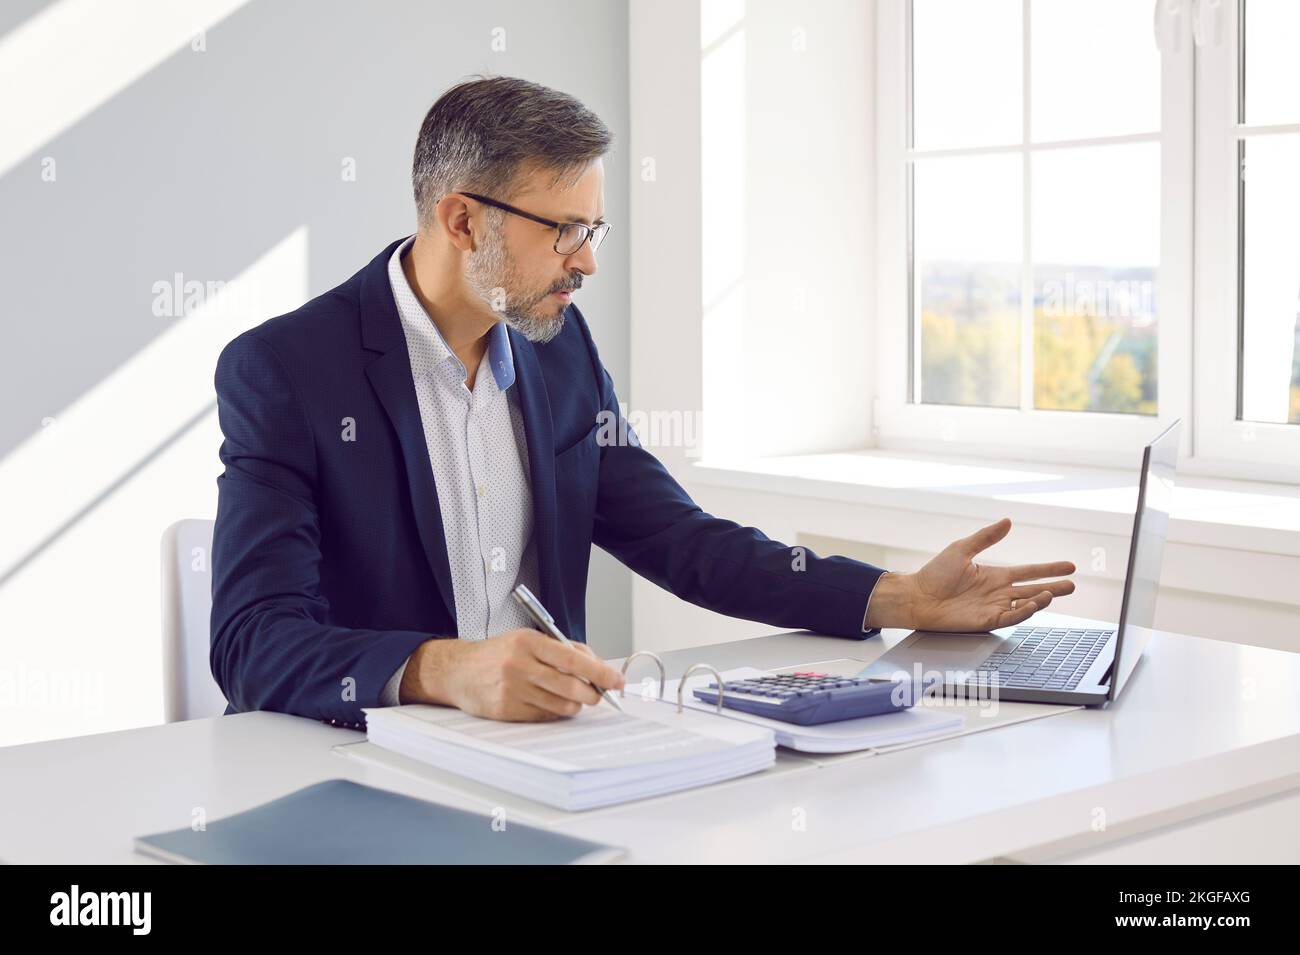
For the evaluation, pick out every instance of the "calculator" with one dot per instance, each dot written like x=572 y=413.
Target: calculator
x=807 y=698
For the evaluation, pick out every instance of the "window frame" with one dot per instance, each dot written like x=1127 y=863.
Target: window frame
x=1225 y=445
x=1080 y=437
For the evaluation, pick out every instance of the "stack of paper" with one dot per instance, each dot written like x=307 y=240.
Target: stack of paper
x=867 y=732
x=596 y=758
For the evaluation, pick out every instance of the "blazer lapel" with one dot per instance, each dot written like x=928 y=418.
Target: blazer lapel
x=536 y=407
x=390 y=376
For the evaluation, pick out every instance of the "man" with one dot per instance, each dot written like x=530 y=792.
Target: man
x=403 y=450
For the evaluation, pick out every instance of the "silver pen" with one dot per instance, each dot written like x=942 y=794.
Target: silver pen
x=546 y=623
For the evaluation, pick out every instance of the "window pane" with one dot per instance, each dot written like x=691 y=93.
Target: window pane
x=966 y=73
x=1270 y=307
x=968 y=250
x=1271 y=65
x=1095 y=70
x=1096 y=248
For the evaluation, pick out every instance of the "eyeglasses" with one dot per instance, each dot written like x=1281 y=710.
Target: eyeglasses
x=572 y=234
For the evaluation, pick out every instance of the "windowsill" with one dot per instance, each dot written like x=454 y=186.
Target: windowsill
x=1239 y=515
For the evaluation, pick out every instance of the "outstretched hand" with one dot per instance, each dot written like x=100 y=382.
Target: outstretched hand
x=954 y=593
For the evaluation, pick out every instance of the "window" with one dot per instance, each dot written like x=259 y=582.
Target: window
x=1036 y=196
x=1083 y=158
x=1248 y=235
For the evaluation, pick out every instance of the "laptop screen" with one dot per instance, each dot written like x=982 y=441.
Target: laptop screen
x=1150 y=524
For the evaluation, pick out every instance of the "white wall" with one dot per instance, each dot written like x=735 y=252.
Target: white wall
x=770 y=145
x=211 y=140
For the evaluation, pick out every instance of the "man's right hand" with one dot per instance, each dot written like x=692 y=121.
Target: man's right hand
x=520 y=675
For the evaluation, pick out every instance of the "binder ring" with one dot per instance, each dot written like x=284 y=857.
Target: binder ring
x=659 y=663
x=681 y=684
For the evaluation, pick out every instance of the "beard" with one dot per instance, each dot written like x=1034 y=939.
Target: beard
x=492 y=273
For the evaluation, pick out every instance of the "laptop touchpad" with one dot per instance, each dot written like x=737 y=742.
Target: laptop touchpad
x=935 y=651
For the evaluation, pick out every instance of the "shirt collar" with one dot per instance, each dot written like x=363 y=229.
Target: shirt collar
x=413 y=315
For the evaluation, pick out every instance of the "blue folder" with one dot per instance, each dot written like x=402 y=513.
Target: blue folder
x=339 y=822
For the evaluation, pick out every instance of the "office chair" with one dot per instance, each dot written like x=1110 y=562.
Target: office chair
x=189 y=691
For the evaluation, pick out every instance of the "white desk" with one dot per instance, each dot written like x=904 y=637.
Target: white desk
x=1205 y=733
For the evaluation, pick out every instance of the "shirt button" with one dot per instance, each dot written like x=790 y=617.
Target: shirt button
x=481 y=490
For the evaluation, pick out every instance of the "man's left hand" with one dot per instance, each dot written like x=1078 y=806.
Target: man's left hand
x=954 y=593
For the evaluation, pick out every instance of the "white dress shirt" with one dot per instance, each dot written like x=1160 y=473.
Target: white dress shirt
x=479 y=454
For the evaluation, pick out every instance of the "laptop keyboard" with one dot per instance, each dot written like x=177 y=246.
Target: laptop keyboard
x=1048 y=658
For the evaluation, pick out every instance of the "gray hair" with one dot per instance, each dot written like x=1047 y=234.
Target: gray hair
x=479 y=134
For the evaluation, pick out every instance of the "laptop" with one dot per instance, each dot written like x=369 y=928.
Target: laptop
x=1073 y=661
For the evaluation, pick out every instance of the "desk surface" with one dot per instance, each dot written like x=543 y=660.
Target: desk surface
x=1202 y=726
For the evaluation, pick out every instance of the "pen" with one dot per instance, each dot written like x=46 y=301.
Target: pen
x=546 y=623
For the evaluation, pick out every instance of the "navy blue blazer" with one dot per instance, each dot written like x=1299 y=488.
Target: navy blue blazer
x=328 y=557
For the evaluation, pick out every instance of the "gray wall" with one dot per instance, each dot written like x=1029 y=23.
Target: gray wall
x=210 y=159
